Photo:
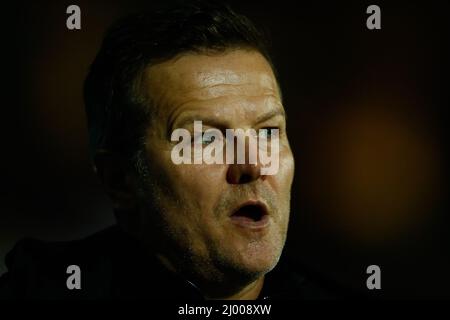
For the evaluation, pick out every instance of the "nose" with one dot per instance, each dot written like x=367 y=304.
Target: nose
x=249 y=170
x=243 y=173
x=240 y=173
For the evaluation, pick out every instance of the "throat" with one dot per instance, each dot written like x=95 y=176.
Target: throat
x=249 y=292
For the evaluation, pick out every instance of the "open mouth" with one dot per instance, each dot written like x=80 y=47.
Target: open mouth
x=254 y=215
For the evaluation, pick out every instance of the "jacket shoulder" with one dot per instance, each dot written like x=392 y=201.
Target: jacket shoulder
x=39 y=268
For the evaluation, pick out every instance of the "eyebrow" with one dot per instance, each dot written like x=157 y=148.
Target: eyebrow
x=271 y=114
x=217 y=123
x=212 y=121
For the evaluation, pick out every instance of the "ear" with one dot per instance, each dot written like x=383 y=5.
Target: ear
x=119 y=182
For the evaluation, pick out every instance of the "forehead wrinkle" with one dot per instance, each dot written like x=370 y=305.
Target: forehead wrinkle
x=229 y=77
x=223 y=102
x=224 y=90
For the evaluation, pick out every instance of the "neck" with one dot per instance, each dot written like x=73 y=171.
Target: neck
x=248 y=292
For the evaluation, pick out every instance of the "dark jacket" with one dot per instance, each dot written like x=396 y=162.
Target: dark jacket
x=114 y=265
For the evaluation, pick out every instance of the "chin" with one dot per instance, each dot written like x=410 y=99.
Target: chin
x=263 y=265
x=258 y=262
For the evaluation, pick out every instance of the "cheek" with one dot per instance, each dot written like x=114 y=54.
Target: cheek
x=200 y=184
x=283 y=179
x=289 y=166
x=205 y=183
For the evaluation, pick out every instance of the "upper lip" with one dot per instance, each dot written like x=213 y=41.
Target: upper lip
x=258 y=203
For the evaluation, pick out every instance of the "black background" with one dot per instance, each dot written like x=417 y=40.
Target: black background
x=367 y=121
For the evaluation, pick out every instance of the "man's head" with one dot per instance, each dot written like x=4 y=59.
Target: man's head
x=215 y=223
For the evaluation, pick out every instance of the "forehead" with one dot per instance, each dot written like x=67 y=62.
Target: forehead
x=238 y=77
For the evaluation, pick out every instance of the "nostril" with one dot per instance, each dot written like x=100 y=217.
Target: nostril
x=242 y=173
x=245 y=178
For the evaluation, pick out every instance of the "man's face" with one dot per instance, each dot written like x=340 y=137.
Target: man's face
x=194 y=205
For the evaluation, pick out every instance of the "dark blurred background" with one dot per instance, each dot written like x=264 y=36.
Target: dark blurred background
x=367 y=120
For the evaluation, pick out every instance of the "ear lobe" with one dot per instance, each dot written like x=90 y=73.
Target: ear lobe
x=114 y=173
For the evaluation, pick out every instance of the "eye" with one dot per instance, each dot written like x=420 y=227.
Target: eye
x=267 y=132
x=205 y=138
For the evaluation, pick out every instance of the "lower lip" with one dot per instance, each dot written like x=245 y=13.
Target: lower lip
x=251 y=224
